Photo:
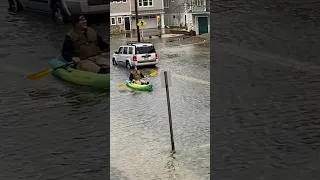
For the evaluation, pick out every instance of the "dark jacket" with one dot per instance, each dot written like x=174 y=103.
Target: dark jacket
x=68 y=49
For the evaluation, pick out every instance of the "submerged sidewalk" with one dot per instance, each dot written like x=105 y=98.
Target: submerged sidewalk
x=201 y=40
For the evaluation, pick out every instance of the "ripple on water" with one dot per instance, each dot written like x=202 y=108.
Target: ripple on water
x=50 y=128
x=142 y=122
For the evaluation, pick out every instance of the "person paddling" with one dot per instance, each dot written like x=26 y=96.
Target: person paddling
x=136 y=76
x=82 y=42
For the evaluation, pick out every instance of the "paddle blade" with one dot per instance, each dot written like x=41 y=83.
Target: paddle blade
x=39 y=75
x=122 y=85
x=154 y=73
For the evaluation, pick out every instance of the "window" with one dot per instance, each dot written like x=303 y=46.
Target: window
x=119 y=20
x=119 y=1
x=125 y=50
x=145 y=50
x=130 y=50
x=166 y=3
x=145 y=3
x=113 y=21
x=120 y=50
x=199 y=2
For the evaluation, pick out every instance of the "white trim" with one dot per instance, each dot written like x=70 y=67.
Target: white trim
x=146 y=14
x=121 y=14
x=116 y=2
x=119 y=17
x=115 y=21
x=148 y=3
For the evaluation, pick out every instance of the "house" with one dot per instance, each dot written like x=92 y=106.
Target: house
x=175 y=13
x=122 y=14
x=191 y=14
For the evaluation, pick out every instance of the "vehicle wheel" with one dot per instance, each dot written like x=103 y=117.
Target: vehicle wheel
x=114 y=62
x=128 y=65
x=59 y=15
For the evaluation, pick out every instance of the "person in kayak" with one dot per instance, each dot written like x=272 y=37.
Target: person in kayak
x=82 y=46
x=136 y=76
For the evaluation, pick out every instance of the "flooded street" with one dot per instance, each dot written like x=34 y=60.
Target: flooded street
x=49 y=129
x=265 y=91
x=264 y=108
x=140 y=138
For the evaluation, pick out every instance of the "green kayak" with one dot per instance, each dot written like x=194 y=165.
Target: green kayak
x=144 y=87
x=79 y=77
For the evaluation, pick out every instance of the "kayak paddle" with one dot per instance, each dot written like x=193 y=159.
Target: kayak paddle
x=154 y=73
x=46 y=72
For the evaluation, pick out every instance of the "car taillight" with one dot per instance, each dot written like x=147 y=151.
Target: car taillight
x=134 y=58
x=156 y=56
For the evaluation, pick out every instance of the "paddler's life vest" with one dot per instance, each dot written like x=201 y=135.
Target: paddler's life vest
x=136 y=75
x=84 y=46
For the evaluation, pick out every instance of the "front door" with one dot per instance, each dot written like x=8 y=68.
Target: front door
x=203 y=25
x=127 y=26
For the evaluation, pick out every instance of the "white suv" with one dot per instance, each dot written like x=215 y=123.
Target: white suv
x=140 y=54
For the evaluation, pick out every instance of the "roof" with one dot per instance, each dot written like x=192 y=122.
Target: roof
x=140 y=44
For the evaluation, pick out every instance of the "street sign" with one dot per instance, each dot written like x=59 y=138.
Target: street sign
x=165 y=79
x=142 y=24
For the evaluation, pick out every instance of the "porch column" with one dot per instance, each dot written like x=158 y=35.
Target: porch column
x=209 y=24
x=196 y=25
x=162 y=23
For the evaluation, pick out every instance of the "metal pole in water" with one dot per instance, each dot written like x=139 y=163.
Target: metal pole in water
x=142 y=34
x=169 y=111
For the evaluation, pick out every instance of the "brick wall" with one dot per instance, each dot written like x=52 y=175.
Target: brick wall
x=116 y=29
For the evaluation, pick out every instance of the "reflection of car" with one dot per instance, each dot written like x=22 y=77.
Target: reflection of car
x=62 y=9
x=140 y=54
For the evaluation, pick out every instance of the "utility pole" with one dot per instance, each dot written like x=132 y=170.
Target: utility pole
x=137 y=19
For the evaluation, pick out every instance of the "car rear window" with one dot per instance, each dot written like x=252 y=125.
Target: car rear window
x=145 y=49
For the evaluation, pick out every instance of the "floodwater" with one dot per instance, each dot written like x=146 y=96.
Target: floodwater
x=55 y=130
x=49 y=129
x=265 y=93
x=139 y=135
